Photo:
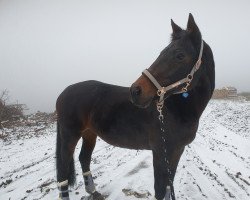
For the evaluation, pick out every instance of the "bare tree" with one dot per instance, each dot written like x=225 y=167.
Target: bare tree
x=4 y=96
x=9 y=112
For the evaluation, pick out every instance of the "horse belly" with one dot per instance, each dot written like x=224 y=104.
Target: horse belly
x=123 y=135
x=125 y=138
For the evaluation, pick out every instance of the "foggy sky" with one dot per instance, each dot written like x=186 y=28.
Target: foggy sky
x=46 y=45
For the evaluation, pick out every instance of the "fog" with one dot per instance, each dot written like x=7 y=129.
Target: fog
x=46 y=45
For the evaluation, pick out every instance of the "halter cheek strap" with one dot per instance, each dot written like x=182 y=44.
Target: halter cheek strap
x=161 y=90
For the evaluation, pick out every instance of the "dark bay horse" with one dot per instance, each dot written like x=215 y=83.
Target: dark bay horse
x=128 y=118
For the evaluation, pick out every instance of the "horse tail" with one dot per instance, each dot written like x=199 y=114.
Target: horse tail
x=71 y=174
x=58 y=152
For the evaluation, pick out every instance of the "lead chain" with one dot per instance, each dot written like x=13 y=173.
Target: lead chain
x=162 y=128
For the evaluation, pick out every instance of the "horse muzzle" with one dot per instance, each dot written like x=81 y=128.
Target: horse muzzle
x=140 y=96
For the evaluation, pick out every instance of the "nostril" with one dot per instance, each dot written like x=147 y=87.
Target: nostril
x=136 y=91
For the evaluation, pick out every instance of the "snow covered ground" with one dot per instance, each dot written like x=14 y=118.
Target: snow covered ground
x=215 y=166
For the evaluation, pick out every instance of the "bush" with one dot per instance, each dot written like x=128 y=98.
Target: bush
x=9 y=112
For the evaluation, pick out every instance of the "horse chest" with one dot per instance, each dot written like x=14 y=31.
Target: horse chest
x=185 y=134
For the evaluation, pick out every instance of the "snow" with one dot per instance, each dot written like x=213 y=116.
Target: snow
x=215 y=166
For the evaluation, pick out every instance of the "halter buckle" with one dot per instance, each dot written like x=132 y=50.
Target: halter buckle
x=185 y=89
x=161 y=91
x=189 y=77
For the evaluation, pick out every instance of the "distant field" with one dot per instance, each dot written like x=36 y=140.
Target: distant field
x=245 y=94
x=216 y=166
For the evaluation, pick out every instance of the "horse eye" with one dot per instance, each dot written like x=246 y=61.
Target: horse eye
x=180 y=56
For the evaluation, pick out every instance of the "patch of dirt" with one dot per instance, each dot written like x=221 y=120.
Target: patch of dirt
x=141 y=165
x=139 y=195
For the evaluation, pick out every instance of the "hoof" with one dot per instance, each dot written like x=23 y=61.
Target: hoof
x=94 y=196
x=97 y=196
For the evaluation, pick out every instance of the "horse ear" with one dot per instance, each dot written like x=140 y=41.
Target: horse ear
x=175 y=27
x=193 y=30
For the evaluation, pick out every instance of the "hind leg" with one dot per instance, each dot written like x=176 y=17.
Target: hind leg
x=88 y=145
x=65 y=164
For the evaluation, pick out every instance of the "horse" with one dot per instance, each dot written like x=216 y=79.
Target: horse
x=159 y=112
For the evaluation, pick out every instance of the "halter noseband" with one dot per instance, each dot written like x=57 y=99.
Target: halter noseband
x=162 y=90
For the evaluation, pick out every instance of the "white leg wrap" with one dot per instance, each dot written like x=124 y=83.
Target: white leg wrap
x=89 y=183
x=154 y=198
x=63 y=190
x=63 y=183
x=168 y=192
x=86 y=173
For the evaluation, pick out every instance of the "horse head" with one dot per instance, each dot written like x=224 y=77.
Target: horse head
x=176 y=68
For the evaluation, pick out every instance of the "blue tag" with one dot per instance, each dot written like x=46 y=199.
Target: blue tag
x=185 y=95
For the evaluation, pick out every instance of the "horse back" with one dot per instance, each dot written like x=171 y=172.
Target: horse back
x=106 y=110
x=75 y=103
